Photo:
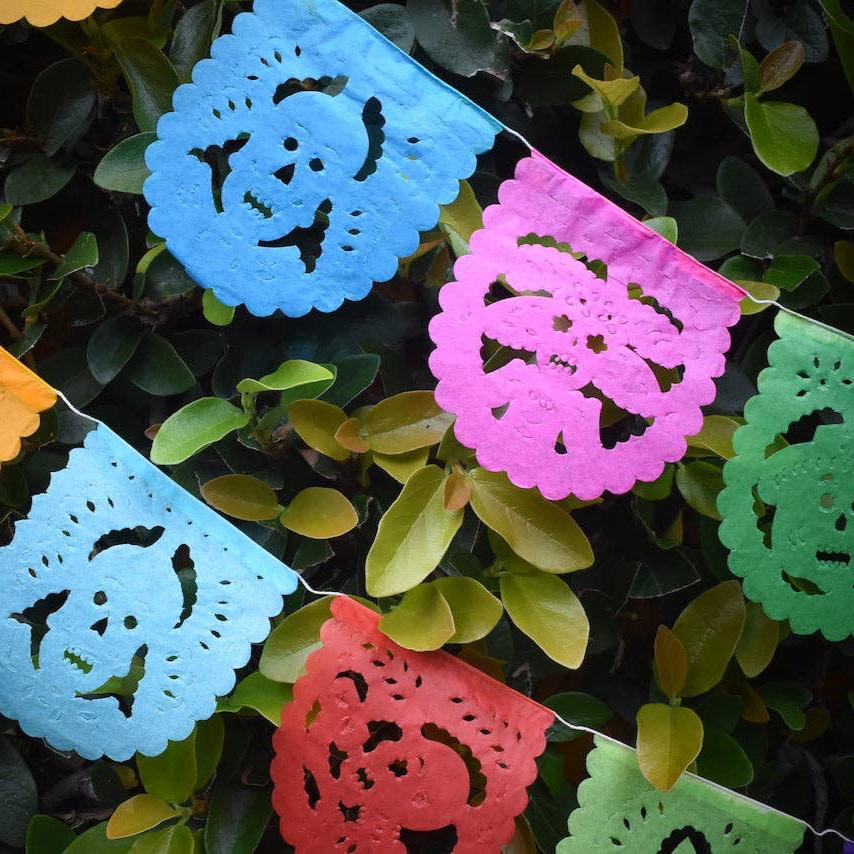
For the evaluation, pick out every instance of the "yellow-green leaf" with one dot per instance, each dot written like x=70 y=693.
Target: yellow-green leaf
x=669 y=740
x=476 y=611
x=658 y=121
x=716 y=436
x=216 y=312
x=758 y=641
x=171 y=776
x=464 y=215
x=545 y=609
x=171 y=840
x=700 y=483
x=756 y=291
x=348 y=436
x=422 y=621
x=317 y=422
x=412 y=536
x=843 y=254
x=260 y=694
x=536 y=529
x=604 y=34
x=612 y=92
x=140 y=813
x=291 y=643
x=405 y=422
x=457 y=491
x=320 y=513
x=402 y=466
x=567 y=21
x=780 y=65
x=710 y=628
x=784 y=135
x=242 y=497
x=308 y=378
x=671 y=662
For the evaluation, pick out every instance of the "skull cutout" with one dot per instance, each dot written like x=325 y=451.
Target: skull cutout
x=304 y=159
x=568 y=381
x=383 y=748
x=793 y=455
x=127 y=606
x=619 y=811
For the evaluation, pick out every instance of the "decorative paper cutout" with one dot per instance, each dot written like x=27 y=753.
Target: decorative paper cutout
x=23 y=395
x=43 y=13
x=619 y=811
x=373 y=751
x=332 y=149
x=798 y=559
x=540 y=421
x=118 y=572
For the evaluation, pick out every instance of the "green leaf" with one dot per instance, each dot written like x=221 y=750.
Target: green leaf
x=666 y=226
x=353 y=375
x=289 y=645
x=758 y=641
x=578 y=708
x=413 y=535
x=150 y=78
x=83 y=253
x=712 y=22
x=788 y=699
x=171 y=776
x=165 y=277
x=320 y=513
x=538 y=531
x=195 y=426
x=700 y=483
x=111 y=347
x=36 y=180
x=138 y=814
x=405 y=422
x=177 y=839
x=787 y=272
x=768 y=231
x=671 y=662
x=464 y=215
x=547 y=611
x=194 y=32
x=669 y=740
x=242 y=497
x=210 y=740
x=475 y=610
x=780 y=65
x=122 y=169
x=422 y=621
x=393 y=22
x=47 y=835
x=464 y=44
x=741 y=187
x=157 y=368
x=214 y=311
x=710 y=628
x=237 y=818
x=11 y=263
x=784 y=135
x=708 y=227
x=723 y=760
x=261 y=694
x=61 y=102
x=95 y=841
x=17 y=794
x=716 y=436
x=301 y=380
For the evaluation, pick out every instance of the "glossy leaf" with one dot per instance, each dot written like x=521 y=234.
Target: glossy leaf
x=171 y=840
x=122 y=169
x=36 y=180
x=724 y=761
x=780 y=65
x=197 y=425
x=214 y=311
x=546 y=609
x=138 y=814
x=83 y=253
x=669 y=740
x=671 y=662
x=157 y=368
x=402 y=466
x=171 y=776
x=475 y=610
x=17 y=794
x=47 y=835
x=320 y=513
x=260 y=694
x=758 y=641
x=536 y=529
x=111 y=347
x=700 y=483
x=423 y=620
x=316 y=422
x=151 y=79
x=289 y=645
x=405 y=422
x=242 y=497
x=236 y=820
x=309 y=379
x=413 y=535
x=784 y=135
x=710 y=628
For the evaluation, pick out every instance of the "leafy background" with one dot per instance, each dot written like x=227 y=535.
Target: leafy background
x=727 y=125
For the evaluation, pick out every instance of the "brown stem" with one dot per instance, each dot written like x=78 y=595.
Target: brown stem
x=10 y=327
x=23 y=245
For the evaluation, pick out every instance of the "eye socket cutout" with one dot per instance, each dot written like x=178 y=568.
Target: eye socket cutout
x=130 y=622
x=291 y=144
x=315 y=164
x=100 y=598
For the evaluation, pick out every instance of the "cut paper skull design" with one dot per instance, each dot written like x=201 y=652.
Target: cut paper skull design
x=383 y=748
x=127 y=605
x=23 y=395
x=305 y=157
x=43 y=13
x=793 y=460
x=619 y=811
x=576 y=377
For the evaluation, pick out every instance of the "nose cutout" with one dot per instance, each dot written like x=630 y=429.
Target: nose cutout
x=841 y=522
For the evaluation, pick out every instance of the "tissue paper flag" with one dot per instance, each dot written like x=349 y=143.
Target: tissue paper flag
x=640 y=346
x=796 y=557
x=126 y=606
x=305 y=157
x=43 y=13
x=382 y=745
x=619 y=811
x=23 y=395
